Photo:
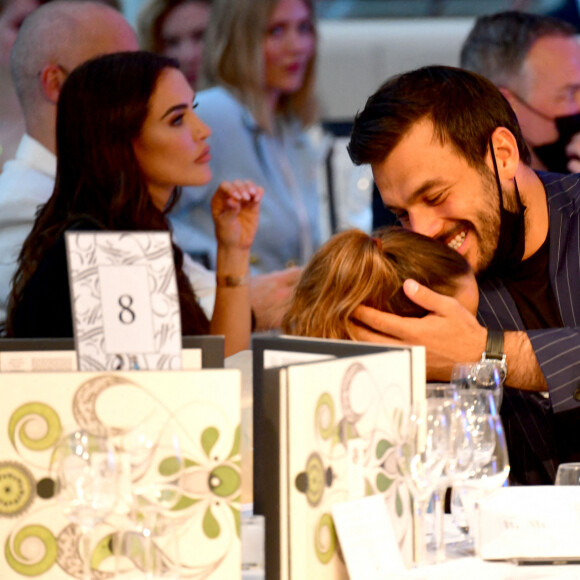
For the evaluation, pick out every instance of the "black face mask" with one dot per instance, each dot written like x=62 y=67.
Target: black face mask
x=511 y=241
x=553 y=155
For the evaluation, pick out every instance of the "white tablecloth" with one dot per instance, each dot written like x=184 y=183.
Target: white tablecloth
x=460 y=566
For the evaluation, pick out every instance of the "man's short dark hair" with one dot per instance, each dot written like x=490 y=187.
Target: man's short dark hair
x=464 y=107
x=498 y=44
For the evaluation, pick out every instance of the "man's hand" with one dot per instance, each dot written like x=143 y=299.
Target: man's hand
x=270 y=296
x=450 y=333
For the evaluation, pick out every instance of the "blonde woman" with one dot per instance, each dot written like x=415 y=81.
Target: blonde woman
x=353 y=268
x=176 y=28
x=259 y=57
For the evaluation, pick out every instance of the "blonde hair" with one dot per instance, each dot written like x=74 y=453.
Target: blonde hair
x=151 y=19
x=353 y=268
x=234 y=58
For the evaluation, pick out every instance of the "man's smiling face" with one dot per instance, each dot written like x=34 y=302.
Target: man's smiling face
x=435 y=192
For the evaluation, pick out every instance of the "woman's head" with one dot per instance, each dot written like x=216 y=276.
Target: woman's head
x=126 y=136
x=176 y=28
x=120 y=121
x=353 y=268
x=272 y=71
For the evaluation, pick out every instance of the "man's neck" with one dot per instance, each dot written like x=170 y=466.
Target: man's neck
x=537 y=218
x=43 y=132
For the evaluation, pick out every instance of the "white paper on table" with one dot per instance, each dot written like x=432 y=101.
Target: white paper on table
x=367 y=539
x=30 y=361
x=279 y=358
x=531 y=523
x=66 y=360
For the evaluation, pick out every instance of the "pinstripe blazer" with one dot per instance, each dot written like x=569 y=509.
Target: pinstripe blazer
x=529 y=418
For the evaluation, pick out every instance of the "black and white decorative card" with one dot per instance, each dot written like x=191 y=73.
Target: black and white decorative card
x=124 y=300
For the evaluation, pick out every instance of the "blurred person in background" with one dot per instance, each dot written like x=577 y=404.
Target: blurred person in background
x=176 y=28
x=53 y=40
x=12 y=14
x=259 y=58
x=535 y=62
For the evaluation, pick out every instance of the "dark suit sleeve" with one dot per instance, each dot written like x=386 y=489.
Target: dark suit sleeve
x=558 y=353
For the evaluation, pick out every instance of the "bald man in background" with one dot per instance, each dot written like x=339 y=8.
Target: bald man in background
x=52 y=41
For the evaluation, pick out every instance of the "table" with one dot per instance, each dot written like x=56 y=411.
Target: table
x=459 y=566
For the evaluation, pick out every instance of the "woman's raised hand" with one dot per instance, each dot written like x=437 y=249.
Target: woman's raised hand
x=235 y=208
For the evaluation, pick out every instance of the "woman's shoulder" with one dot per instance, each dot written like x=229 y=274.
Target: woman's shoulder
x=218 y=105
x=217 y=95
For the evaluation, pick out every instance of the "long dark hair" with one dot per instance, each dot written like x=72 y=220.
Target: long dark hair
x=101 y=110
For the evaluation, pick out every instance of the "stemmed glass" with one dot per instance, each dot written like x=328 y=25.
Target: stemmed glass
x=491 y=463
x=487 y=378
x=568 y=474
x=153 y=453
x=87 y=483
x=459 y=453
x=421 y=452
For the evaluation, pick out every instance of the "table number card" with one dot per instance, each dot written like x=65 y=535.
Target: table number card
x=125 y=301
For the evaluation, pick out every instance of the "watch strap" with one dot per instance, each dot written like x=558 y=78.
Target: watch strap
x=494 y=344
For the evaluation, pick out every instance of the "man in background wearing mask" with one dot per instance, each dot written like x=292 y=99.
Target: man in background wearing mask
x=534 y=60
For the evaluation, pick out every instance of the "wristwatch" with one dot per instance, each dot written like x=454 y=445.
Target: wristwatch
x=491 y=370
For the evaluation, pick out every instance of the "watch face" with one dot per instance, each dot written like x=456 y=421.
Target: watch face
x=488 y=374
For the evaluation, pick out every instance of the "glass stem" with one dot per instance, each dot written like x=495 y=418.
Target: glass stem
x=420 y=507
x=86 y=552
x=149 y=551
x=439 y=522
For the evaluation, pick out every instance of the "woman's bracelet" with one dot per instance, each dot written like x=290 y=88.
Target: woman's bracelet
x=232 y=281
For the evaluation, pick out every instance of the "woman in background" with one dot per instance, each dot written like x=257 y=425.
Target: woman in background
x=12 y=14
x=353 y=268
x=260 y=55
x=176 y=28
x=127 y=137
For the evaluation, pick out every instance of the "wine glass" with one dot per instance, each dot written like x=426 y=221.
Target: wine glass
x=87 y=484
x=153 y=455
x=421 y=453
x=487 y=376
x=568 y=474
x=459 y=453
x=490 y=463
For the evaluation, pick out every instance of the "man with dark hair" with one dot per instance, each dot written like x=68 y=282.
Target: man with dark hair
x=449 y=159
x=534 y=60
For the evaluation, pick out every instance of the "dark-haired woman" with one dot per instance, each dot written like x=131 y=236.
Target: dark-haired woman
x=127 y=138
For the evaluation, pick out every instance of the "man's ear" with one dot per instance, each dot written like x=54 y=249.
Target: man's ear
x=52 y=77
x=506 y=151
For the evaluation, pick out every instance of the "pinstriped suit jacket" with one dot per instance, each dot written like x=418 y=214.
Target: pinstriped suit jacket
x=529 y=417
